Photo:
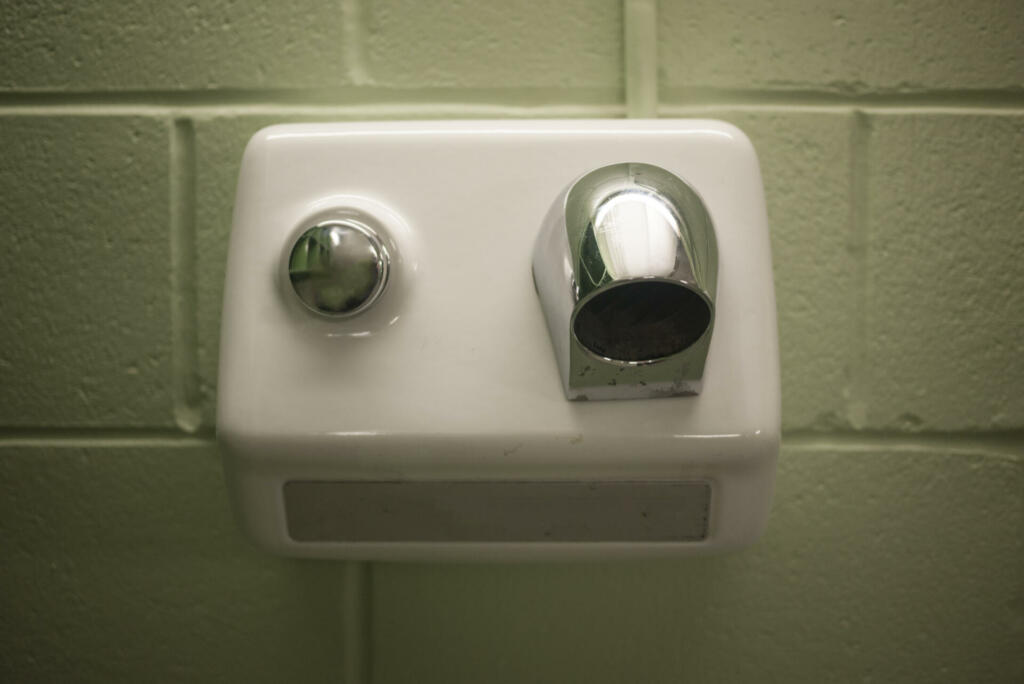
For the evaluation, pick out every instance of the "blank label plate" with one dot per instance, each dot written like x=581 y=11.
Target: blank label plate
x=460 y=511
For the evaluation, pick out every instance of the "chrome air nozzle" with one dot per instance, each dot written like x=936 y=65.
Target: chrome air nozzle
x=626 y=268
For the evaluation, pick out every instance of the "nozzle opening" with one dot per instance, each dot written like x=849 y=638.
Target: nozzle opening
x=641 y=321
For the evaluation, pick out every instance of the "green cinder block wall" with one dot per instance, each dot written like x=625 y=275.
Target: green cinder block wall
x=891 y=138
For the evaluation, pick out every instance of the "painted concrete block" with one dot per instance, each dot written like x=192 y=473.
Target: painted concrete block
x=945 y=278
x=122 y=564
x=95 y=46
x=496 y=45
x=842 y=47
x=85 y=269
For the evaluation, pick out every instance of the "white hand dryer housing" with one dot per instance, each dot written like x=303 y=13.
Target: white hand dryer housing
x=500 y=339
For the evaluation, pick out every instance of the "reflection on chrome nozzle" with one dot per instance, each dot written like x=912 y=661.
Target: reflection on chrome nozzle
x=626 y=268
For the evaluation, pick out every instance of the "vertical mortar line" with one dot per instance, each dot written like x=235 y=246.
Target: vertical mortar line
x=640 y=33
x=858 y=381
x=353 y=43
x=185 y=341
x=357 y=616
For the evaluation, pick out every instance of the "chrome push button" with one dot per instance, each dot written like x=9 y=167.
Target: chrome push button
x=339 y=268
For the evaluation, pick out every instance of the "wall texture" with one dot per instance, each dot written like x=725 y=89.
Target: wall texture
x=891 y=136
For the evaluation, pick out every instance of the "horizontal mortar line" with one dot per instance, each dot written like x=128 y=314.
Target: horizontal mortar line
x=345 y=96
x=104 y=437
x=451 y=110
x=716 y=108
x=491 y=101
x=675 y=99
x=1004 y=442
x=1007 y=442
x=342 y=112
